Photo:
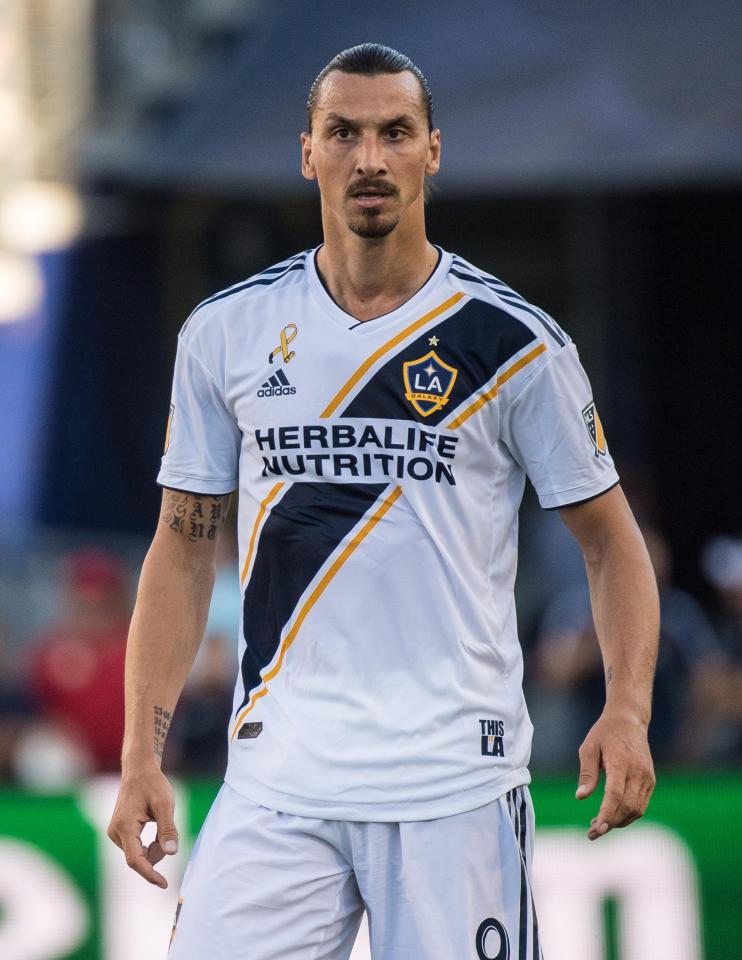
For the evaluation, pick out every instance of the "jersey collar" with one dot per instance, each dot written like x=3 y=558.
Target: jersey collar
x=361 y=327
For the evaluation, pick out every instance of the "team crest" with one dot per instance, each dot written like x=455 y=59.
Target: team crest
x=428 y=383
x=594 y=429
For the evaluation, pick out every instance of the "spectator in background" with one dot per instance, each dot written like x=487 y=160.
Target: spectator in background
x=717 y=702
x=77 y=674
x=568 y=661
x=16 y=709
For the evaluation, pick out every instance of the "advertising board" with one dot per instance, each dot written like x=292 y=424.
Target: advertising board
x=669 y=887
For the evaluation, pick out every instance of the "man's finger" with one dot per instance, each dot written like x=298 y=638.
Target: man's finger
x=155 y=853
x=136 y=858
x=632 y=806
x=167 y=833
x=646 y=788
x=629 y=820
x=615 y=784
x=648 y=791
x=589 y=754
x=113 y=834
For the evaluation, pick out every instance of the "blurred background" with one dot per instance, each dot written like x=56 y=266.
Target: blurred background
x=149 y=156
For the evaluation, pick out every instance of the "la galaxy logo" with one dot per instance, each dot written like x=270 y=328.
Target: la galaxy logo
x=594 y=428
x=428 y=383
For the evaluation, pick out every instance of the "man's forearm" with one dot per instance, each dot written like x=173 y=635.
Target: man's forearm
x=166 y=629
x=625 y=606
x=169 y=617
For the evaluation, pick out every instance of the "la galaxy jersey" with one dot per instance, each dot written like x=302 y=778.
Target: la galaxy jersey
x=380 y=466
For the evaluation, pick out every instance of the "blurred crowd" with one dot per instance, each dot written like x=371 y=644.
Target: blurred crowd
x=697 y=700
x=62 y=691
x=62 y=694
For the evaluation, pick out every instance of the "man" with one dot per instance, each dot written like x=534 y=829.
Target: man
x=378 y=402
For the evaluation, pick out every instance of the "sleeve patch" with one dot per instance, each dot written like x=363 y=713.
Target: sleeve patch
x=594 y=429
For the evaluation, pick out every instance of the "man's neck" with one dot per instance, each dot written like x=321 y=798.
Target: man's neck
x=369 y=278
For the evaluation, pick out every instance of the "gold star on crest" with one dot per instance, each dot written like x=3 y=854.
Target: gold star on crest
x=433 y=341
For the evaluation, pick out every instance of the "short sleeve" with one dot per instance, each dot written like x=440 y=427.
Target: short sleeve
x=553 y=431
x=202 y=443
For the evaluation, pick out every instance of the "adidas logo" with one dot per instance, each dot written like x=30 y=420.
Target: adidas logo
x=276 y=386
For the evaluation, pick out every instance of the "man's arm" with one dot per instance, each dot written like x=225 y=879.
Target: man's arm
x=623 y=594
x=166 y=629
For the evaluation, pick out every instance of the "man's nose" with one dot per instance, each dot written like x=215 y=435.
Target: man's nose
x=370 y=160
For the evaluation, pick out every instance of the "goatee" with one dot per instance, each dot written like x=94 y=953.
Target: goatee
x=373 y=227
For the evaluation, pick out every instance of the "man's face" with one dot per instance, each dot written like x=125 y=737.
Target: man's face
x=370 y=149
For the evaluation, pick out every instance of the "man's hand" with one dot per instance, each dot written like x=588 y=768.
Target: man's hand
x=618 y=745
x=145 y=797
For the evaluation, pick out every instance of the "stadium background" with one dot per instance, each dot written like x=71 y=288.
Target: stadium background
x=592 y=158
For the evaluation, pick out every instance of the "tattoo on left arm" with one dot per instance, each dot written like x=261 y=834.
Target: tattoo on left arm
x=609 y=675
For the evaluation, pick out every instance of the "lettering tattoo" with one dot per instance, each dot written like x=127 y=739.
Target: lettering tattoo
x=198 y=516
x=609 y=675
x=162 y=725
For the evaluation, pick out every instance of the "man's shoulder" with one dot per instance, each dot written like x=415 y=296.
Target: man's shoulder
x=488 y=288
x=466 y=271
x=271 y=279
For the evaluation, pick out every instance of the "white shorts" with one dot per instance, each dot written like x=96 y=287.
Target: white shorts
x=263 y=885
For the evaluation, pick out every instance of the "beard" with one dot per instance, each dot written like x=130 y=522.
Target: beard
x=373 y=224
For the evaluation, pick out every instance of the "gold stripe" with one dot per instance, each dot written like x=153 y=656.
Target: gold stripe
x=315 y=595
x=385 y=348
x=263 y=506
x=489 y=394
x=167 y=430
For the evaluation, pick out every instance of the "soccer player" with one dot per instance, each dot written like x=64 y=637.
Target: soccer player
x=378 y=403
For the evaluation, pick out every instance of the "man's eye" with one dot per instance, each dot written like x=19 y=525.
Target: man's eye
x=395 y=133
x=342 y=133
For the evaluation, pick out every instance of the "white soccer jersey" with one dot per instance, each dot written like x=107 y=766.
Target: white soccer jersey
x=380 y=467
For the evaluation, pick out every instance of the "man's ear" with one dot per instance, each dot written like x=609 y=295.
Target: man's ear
x=434 y=153
x=307 y=166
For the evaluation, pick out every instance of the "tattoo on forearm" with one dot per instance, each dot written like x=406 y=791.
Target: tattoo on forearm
x=201 y=517
x=609 y=675
x=162 y=725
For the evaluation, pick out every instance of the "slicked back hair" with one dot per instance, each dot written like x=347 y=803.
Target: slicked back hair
x=370 y=60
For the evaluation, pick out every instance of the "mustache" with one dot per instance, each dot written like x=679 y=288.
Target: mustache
x=382 y=187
